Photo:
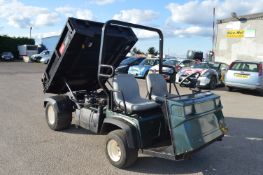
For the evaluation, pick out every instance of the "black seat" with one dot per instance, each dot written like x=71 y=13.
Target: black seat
x=157 y=88
x=126 y=90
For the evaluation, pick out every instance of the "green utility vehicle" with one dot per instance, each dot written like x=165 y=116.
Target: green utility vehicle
x=81 y=73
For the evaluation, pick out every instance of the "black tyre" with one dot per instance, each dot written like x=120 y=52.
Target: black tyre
x=117 y=150
x=230 y=89
x=212 y=84
x=57 y=120
x=260 y=93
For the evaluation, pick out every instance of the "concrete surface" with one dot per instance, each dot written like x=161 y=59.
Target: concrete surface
x=28 y=146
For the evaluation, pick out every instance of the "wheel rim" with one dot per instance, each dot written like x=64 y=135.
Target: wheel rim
x=114 y=150
x=51 y=115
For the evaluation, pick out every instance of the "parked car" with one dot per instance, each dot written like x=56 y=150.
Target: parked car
x=211 y=74
x=7 y=56
x=125 y=64
x=245 y=75
x=176 y=63
x=142 y=69
x=45 y=59
x=38 y=57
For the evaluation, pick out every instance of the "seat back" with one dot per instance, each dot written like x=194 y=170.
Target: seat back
x=156 y=85
x=126 y=84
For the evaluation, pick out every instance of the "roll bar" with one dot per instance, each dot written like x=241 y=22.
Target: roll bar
x=102 y=49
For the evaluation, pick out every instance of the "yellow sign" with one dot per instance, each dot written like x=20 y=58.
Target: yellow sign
x=235 y=34
x=241 y=75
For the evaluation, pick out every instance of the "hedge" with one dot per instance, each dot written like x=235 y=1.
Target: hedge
x=9 y=44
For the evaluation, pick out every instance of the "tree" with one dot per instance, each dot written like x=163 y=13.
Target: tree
x=9 y=44
x=152 y=51
x=136 y=51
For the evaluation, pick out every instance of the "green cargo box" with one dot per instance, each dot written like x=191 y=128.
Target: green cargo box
x=194 y=121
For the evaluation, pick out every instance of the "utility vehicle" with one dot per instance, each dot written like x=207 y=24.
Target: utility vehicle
x=81 y=74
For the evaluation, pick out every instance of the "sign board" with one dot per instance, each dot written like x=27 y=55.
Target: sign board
x=235 y=34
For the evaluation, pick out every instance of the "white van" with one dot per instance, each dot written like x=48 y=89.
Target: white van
x=27 y=50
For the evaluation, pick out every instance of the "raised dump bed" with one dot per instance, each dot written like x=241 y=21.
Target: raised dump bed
x=76 y=56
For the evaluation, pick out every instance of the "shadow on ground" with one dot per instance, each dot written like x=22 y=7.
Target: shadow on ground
x=240 y=152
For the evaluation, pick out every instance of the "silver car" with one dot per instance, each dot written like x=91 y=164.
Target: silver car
x=245 y=75
x=211 y=74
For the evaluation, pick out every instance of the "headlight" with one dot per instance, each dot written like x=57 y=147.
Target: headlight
x=188 y=109
x=143 y=69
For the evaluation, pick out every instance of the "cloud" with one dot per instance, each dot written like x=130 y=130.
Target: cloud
x=145 y=34
x=201 y=12
x=136 y=16
x=192 y=31
x=102 y=2
x=196 y=16
x=67 y=11
x=193 y=12
x=46 y=34
x=84 y=14
x=46 y=19
x=75 y=12
x=20 y=15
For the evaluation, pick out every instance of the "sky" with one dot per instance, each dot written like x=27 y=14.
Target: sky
x=185 y=24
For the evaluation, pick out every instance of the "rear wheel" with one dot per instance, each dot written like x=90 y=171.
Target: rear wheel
x=260 y=93
x=117 y=150
x=57 y=120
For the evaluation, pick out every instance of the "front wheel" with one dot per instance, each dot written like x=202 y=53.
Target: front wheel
x=117 y=150
x=230 y=89
x=57 y=120
x=260 y=93
x=212 y=84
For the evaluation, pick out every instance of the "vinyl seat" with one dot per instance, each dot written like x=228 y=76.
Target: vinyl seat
x=157 y=88
x=126 y=93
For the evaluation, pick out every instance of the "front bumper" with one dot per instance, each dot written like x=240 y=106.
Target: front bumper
x=7 y=58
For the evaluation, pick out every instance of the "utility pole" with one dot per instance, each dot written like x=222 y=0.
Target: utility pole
x=213 y=37
x=212 y=53
x=30 y=30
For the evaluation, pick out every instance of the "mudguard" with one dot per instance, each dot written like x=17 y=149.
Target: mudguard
x=130 y=130
x=61 y=103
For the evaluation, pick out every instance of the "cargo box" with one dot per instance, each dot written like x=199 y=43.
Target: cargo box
x=75 y=58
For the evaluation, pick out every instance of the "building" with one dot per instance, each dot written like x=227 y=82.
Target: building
x=239 y=38
x=50 y=42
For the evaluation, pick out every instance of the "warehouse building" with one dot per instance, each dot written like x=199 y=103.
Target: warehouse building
x=239 y=38
x=50 y=42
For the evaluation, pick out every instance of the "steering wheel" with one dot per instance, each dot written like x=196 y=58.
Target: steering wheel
x=188 y=80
